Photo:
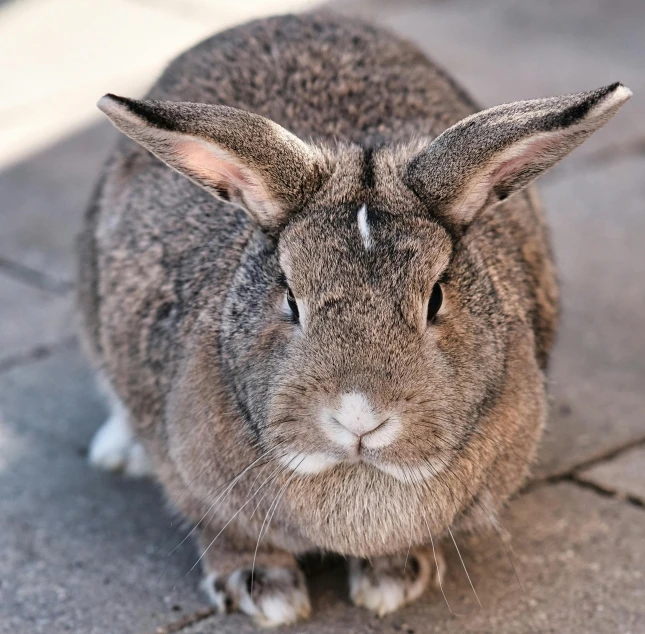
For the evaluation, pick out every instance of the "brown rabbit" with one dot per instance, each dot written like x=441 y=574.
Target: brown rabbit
x=326 y=327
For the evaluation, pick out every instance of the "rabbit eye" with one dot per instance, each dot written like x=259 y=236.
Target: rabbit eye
x=434 y=304
x=293 y=305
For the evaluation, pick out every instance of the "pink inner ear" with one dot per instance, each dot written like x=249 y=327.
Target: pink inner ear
x=212 y=166
x=528 y=156
x=527 y=153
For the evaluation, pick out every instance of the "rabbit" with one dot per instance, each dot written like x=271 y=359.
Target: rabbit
x=319 y=289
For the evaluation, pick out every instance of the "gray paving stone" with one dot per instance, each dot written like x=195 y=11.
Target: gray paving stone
x=80 y=551
x=580 y=558
x=598 y=367
x=504 y=50
x=623 y=475
x=42 y=201
x=53 y=400
x=31 y=318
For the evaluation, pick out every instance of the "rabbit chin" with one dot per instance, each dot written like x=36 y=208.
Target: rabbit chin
x=318 y=462
x=362 y=511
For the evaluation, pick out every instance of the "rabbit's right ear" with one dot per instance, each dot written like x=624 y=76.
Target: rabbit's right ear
x=238 y=156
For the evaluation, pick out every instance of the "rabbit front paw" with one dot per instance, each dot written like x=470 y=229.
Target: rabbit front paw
x=385 y=584
x=271 y=595
x=115 y=448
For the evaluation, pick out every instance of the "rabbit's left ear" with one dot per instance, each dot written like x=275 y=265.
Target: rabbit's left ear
x=486 y=157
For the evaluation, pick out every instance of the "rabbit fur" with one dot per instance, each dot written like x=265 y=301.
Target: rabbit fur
x=255 y=274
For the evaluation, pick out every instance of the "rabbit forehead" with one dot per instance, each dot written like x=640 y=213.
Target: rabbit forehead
x=357 y=244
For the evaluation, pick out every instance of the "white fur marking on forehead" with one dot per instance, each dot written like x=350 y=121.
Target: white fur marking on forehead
x=364 y=228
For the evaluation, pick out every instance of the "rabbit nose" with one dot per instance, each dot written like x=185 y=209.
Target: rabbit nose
x=356 y=426
x=356 y=415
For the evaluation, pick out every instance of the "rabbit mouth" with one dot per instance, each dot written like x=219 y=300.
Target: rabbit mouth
x=353 y=433
x=318 y=462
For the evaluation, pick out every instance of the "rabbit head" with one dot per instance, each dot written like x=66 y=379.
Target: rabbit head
x=379 y=334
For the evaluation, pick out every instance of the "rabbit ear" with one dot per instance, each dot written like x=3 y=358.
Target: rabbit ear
x=486 y=157
x=237 y=156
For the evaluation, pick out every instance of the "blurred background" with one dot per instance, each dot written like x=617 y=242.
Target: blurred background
x=86 y=552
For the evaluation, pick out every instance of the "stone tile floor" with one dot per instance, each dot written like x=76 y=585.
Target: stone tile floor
x=85 y=552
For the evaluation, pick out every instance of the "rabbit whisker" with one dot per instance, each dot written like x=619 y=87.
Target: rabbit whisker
x=259 y=475
x=434 y=553
x=501 y=539
x=407 y=554
x=442 y=481
x=283 y=469
x=175 y=502
x=264 y=530
x=454 y=541
x=219 y=499
x=196 y=525
x=226 y=525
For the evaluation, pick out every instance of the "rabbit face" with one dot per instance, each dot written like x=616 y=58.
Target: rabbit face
x=364 y=373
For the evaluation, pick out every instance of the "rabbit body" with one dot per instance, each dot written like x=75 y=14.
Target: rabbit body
x=184 y=311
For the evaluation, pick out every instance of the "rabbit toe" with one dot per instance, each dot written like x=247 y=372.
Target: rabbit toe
x=272 y=596
x=385 y=584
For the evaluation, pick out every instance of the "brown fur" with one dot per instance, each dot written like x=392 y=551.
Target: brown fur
x=181 y=293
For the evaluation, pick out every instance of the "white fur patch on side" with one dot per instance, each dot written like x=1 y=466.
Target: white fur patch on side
x=115 y=448
x=364 y=228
